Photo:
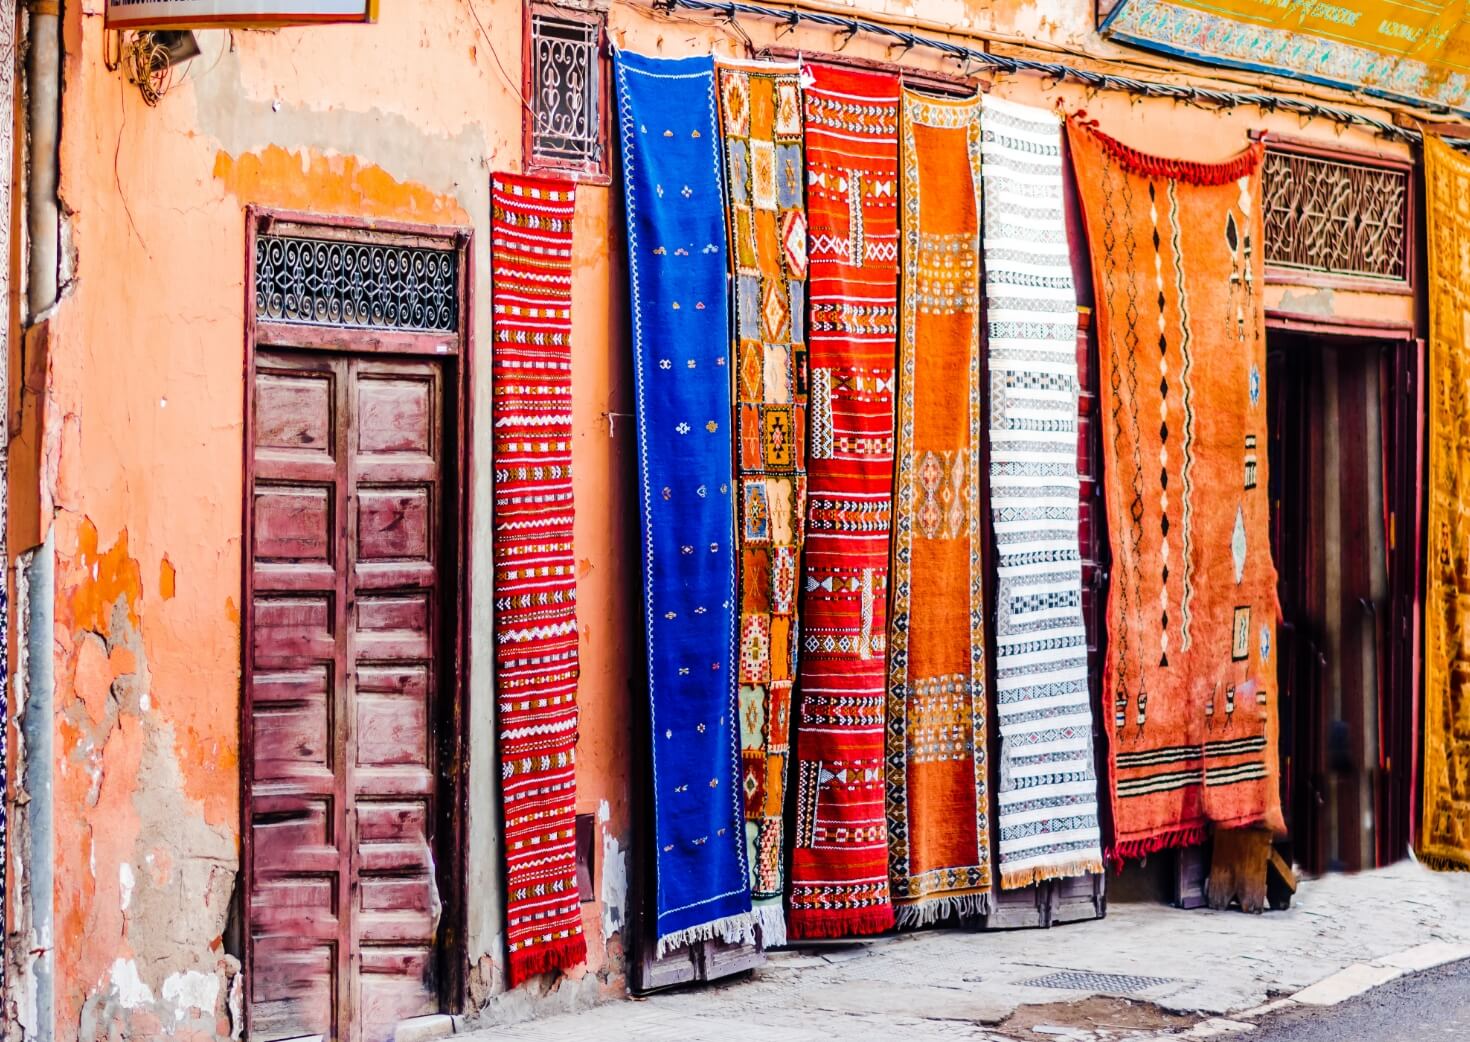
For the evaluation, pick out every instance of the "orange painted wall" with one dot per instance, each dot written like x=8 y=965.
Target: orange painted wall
x=142 y=445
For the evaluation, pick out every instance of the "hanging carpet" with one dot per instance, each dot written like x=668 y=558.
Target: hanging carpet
x=1047 y=800
x=839 y=861
x=938 y=811
x=760 y=114
x=535 y=573
x=681 y=352
x=1444 y=841
x=1191 y=667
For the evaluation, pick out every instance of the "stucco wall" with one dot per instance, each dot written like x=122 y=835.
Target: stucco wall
x=137 y=460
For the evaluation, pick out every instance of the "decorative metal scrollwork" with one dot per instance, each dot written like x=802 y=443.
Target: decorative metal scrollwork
x=328 y=282
x=1336 y=217
x=566 y=91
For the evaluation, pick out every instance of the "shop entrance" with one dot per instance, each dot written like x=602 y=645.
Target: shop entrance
x=351 y=661
x=1344 y=462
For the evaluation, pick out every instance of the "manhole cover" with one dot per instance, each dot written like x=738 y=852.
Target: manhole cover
x=1104 y=983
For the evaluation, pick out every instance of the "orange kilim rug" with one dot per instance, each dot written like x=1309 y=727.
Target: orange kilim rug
x=1191 y=664
x=1445 y=839
x=938 y=804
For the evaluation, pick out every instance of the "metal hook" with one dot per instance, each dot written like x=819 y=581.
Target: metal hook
x=740 y=31
x=793 y=20
x=847 y=35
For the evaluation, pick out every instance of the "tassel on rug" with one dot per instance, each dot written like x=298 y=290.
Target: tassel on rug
x=937 y=909
x=733 y=929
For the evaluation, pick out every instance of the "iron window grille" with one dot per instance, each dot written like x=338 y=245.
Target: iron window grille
x=1337 y=218
x=566 y=88
x=333 y=282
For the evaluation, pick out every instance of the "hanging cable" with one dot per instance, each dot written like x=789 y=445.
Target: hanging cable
x=1204 y=96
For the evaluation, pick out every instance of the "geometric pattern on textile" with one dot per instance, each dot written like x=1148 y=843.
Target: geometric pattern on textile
x=677 y=280
x=937 y=789
x=1047 y=800
x=1444 y=839
x=1191 y=668
x=760 y=125
x=535 y=573
x=839 y=866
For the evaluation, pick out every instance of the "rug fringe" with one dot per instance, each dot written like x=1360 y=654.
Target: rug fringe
x=770 y=922
x=733 y=929
x=1019 y=878
x=546 y=958
x=832 y=924
x=1441 y=863
x=929 y=910
x=1207 y=175
x=1132 y=849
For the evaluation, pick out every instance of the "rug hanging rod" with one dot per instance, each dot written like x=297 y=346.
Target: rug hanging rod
x=1052 y=70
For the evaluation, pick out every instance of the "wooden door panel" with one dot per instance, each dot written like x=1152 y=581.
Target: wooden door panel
x=347 y=531
x=398 y=475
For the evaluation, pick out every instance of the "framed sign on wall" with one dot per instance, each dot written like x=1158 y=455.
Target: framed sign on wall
x=221 y=14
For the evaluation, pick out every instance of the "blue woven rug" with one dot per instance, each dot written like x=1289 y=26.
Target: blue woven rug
x=680 y=315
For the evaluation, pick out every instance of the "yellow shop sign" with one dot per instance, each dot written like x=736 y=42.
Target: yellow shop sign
x=1411 y=50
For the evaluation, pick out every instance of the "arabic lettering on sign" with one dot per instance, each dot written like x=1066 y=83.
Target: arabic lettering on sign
x=205 y=14
x=1418 y=52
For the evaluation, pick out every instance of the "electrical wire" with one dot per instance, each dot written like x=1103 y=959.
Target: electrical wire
x=1205 y=96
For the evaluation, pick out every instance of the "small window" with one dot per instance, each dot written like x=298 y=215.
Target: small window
x=566 y=92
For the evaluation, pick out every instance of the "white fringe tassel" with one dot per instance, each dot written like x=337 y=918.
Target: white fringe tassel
x=771 y=920
x=733 y=929
x=929 y=911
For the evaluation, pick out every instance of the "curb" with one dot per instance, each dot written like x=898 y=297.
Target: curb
x=1347 y=983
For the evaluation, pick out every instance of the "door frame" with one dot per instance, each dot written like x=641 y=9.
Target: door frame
x=1403 y=348
x=456 y=350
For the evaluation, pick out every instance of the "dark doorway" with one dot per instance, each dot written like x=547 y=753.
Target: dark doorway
x=1343 y=478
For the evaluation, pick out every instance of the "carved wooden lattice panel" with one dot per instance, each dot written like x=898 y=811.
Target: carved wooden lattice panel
x=1336 y=217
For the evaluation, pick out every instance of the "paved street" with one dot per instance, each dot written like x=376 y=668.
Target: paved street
x=1425 y=1007
x=1146 y=971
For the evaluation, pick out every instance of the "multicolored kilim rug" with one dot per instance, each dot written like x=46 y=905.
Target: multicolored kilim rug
x=677 y=280
x=839 y=861
x=760 y=113
x=1048 y=783
x=1445 y=838
x=1192 y=607
x=535 y=573
x=938 y=802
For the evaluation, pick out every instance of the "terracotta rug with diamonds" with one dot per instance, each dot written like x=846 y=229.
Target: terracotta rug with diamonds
x=1191 y=663
x=535 y=572
x=839 y=860
x=760 y=123
x=1445 y=837
x=937 y=789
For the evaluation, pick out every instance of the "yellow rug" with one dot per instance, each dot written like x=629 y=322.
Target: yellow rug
x=1445 y=838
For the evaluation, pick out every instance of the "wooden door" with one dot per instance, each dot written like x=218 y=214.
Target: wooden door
x=347 y=574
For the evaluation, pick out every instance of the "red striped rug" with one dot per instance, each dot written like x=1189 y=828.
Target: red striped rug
x=840 y=862
x=535 y=581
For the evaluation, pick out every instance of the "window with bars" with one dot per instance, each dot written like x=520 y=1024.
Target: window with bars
x=566 y=87
x=301 y=280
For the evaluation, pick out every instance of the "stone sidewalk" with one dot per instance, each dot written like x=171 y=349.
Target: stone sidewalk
x=1168 y=972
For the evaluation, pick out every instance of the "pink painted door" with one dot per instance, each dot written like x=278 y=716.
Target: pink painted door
x=346 y=619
